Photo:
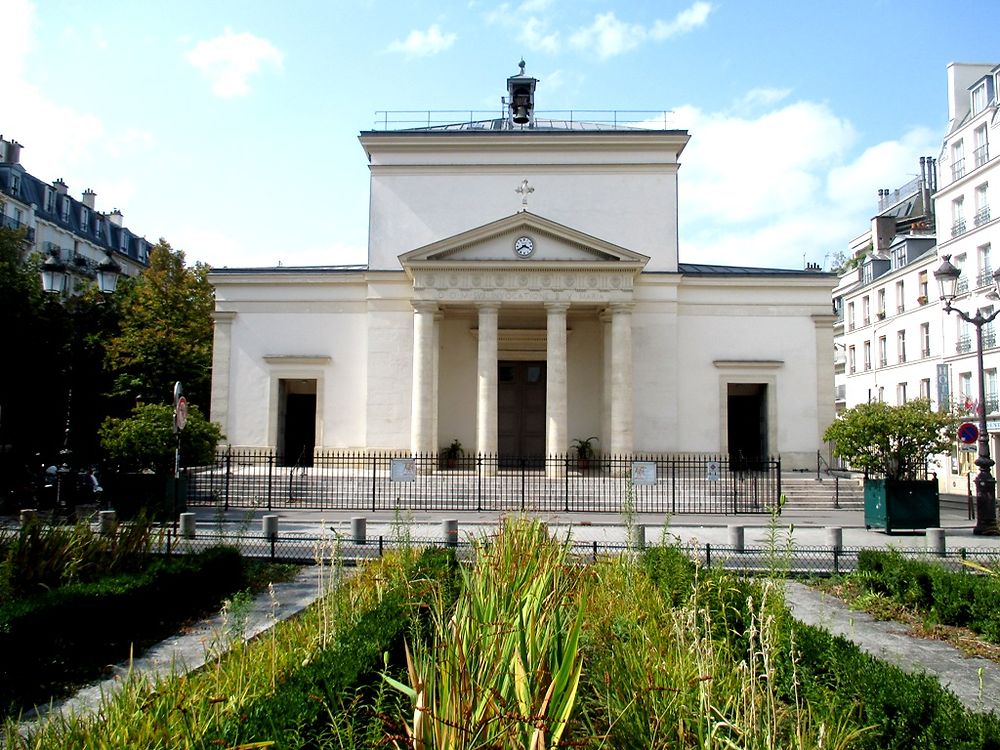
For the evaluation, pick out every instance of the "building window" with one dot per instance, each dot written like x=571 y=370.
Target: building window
x=925 y=340
x=989 y=333
x=957 y=160
x=881 y=394
x=867 y=273
x=900 y=301
x=15 y=183
x=84 y=219
x=979 y=98
x=880 y=304
x=982 y=152
x=850 y=316
x=958 y=216
x=50 y=200
x=925 y=389
x=963 y=281
x=123 y=245
x=851 y=362
x=901 y=346
x=901 y=393
x=985 y=265
x=990 y=386
x=65 y=208
x=865 y=311
x=883 y=358
x=982 y=204
x=898 y=257
x=965 y=400
x=868 y=355
x=922 y=288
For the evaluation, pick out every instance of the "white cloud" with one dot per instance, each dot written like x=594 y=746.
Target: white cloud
x=423 y=43
x=770 y=189
x=534 y=32
x=610 y=36
x=229 y=60
x=18 y=19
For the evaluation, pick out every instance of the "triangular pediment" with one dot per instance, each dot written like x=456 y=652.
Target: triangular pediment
x=549 y=245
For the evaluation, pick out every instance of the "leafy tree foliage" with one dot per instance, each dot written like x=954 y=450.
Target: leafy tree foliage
x=166 y=331
x=893 y=441
x=146 y=439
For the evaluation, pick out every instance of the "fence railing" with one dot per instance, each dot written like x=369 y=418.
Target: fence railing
x=755 y=560
x=695 y=483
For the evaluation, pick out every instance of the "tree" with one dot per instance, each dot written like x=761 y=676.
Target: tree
x=146 y=440
x=166 y=331
x=893 y=441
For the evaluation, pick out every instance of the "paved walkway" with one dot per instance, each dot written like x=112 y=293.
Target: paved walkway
x=887 y=641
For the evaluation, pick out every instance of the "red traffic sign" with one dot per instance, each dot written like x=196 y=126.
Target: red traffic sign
x=180 y=413
x=968 y=433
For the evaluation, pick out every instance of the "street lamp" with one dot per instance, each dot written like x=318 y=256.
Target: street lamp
x=55 y=280
x=986 y=486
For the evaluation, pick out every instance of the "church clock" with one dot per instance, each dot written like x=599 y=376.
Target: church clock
x=524 y=247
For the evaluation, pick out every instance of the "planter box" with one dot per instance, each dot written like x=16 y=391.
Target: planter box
x=129 y=494
x=891 y=504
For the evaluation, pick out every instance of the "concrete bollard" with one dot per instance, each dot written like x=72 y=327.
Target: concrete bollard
x=269 y=524
x=835 y=536
x=449 y=531
x=359 y=530
x=936 y=541
x=28 y=515
x=187 y=525
x=637 y=536
x=109 y=521
x=736 y=537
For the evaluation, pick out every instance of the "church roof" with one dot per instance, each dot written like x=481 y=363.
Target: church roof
x=499 y=124
x=705 y=269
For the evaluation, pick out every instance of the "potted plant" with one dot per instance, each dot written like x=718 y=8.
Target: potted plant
x=922 y=299
x=892 y=445
x=880 y=314
x=452 y=453
x=584 y=449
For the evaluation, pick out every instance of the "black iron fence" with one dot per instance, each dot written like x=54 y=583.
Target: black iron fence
x=750 y=560
x=693 y=483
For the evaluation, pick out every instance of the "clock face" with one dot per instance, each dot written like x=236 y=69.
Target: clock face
x=524 y=246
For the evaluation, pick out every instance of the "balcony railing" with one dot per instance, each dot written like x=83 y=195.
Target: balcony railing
x=992 y=403
x=958 y=228
x=840 y=393
x=964 y=344
x=982 y=215
x=958 y=169
x=925 y=353
x=963 y=285
x=981 y=154
x=989 y=337
x=883 y=362
x=985 y=277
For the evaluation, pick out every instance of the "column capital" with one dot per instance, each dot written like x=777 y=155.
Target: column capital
x=488 y=307
x=223 y=316
x=621 y=308
x=556 y=307
x=424 y=306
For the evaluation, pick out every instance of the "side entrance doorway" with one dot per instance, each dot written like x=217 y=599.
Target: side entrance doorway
x=747 y=428
x=296 y=421
x=521 y=412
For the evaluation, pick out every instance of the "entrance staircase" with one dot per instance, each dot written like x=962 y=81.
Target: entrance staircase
x=803 y=492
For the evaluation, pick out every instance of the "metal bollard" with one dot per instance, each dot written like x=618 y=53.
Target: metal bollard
x=449 y=531
x=269 y=525
x=359 y=531
x=109 y=522
x=187 y=525
x=28 y=515
x=835 y=536
x=736 y=537
x=936 y=541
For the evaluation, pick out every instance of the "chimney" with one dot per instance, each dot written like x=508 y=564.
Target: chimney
x=89 y=198
x=115 y=217
x=60 y=186
x=10 y=151
x=883 y=233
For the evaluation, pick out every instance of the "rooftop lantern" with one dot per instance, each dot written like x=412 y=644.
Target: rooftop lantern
x=521 y=97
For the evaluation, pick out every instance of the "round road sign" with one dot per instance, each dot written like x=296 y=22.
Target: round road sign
x=181 y=413
x=968 y=433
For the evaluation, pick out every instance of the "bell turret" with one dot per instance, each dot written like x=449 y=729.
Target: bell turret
x=521 y=99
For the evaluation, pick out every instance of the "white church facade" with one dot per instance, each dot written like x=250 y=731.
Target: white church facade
x=523 y=291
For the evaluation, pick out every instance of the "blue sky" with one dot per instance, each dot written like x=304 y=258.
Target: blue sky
x=230 y=128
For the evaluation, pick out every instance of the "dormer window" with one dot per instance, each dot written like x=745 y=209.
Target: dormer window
x=15 y=183
x=50 y=200
x=84 y=219
x=979 y=98
x=123 y=245
x=65 y=209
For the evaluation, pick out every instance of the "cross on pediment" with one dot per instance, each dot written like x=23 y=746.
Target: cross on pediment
x=524 y=189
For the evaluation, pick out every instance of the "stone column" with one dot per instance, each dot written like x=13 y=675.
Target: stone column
x=486 y=411
x=422 y=405
x=221 y=376
x=436 y=437
x=556 y=441
x=607 y=390
x=621 y=379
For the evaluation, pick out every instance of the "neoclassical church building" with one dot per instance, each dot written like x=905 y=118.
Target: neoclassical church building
x=523 y=291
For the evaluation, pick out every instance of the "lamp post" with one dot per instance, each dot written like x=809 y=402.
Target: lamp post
x=986 y=486
x=55 y=281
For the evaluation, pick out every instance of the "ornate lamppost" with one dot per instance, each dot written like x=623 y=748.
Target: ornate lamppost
x=986 y=486
x=56 y=280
